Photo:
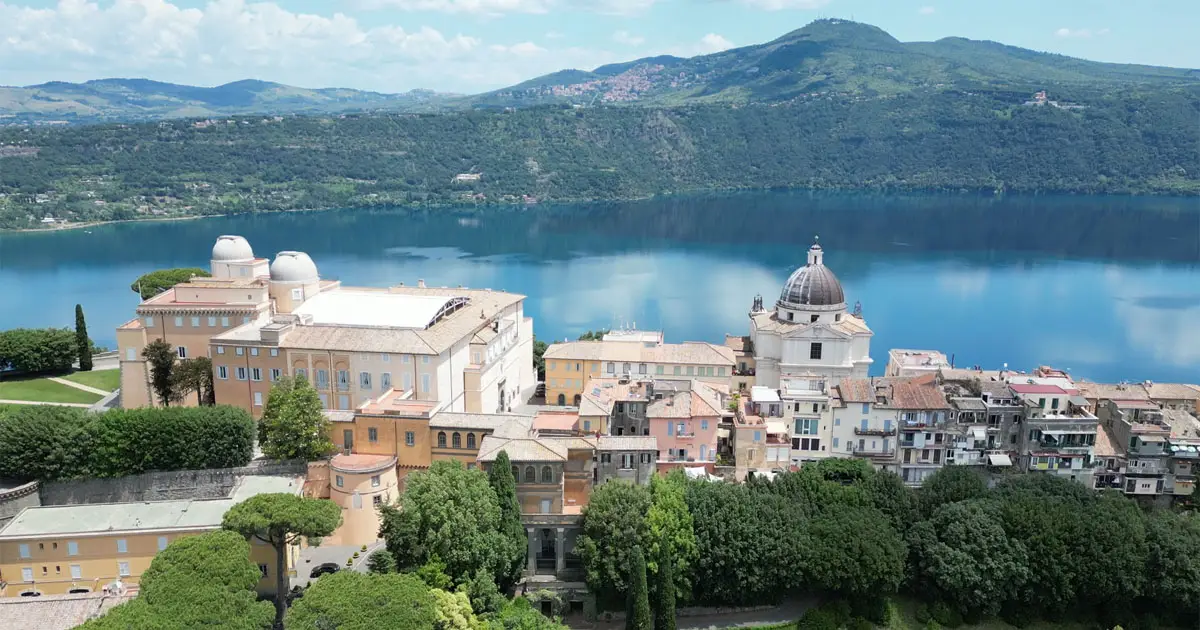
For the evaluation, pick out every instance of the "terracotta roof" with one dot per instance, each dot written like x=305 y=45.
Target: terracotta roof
x=1173 y=391
x=627 y=443
x=1112 y=391
x=485 y=421
x=858 y=390
x=1105 y=443
x=688 y=352
x=539 y=449
x=361 y=463
x=916 y=395
x=555 y=420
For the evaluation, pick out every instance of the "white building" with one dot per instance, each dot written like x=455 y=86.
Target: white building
x=902 y=362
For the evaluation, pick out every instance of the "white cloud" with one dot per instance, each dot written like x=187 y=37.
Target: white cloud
x=485 y=7
x=554 y=35
x=1080 y=33
x=713 y=42
x=617 y=7
x=228 y=40
x=627 y=39
x=927 y=10
x=778 y=5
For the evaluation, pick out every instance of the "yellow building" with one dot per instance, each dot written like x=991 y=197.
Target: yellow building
x=53 y=550
x=569 y=366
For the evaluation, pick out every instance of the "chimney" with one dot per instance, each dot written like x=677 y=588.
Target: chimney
x=420 y=284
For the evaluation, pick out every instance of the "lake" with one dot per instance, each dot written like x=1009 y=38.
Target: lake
x=1108 y=287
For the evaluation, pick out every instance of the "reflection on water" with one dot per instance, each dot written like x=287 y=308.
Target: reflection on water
x=1109 y=287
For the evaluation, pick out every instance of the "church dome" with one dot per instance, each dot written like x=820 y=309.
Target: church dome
x=230 y=248
x=812 y=285
x=293 y=267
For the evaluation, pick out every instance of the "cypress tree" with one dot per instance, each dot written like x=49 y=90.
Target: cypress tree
x=637 y=609
x=500 y=477
x=82 y=341
x=664 y=603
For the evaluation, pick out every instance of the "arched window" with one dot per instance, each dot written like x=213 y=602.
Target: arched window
x=547 y=475
x=470 y=440
x=562 y=400
x=578 y=399
x=516 y=474
x=530 y=477
x=456 y=440
x=441 y=439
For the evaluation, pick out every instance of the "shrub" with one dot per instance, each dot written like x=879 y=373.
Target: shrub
x=873 y=609
x=817 y=619
x=839 y=609
x=946 y=615
x=381 y=561
x=858 y=623
x=36 y=350
x=49 y=443
x=921 y=614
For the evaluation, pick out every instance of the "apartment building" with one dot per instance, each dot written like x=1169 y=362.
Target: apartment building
x=744 y=368
x=570 y=366
x=54 y=550
x=863 y=426
x=909 y=363
x=1058 y=433
x=1146 y=451
x=471 y=349
x=759 y=440
x=922 y=413
x=682 y=415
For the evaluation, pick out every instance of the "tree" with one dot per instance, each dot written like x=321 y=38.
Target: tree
x=279 y=520
x=1051 y=529
x=38 y=350
x=664 y=602
x=949 y=484
x=889 y=495
x=1173 y=563
x=82 y=341
x=519 y=614
x=381 y=562
x=452 y=611
x=853 y=552
x=151 y=284
x=198 y=581
x=614 y=523
x=637 y=610
x=539 y=363
x=193 y=375
x=485 y=596
x=450 y=514
x=963 y=554
x=1113 y=562
x=501 y=479
x=294 y=424
x=161 y=357
x=594 y=335
x=348 y=600
x=669 y=523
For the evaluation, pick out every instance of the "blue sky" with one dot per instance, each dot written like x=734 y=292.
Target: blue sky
x=477 y=45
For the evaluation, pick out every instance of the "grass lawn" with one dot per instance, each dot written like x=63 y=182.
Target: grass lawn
x=108 y=380
x=44 y=390
x=7 y=408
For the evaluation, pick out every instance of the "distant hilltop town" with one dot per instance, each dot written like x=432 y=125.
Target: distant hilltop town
x=1039 y=99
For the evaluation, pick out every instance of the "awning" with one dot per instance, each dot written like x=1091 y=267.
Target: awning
x=723 y=433
x=1151 y=439
x=979 y=433
x=999 y=459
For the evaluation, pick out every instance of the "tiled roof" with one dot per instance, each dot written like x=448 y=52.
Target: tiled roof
x=966 y=375
x=688 y=352
x=492 y=421
x=1112 y=391
x=849 y=324
x=361 y=463
x=523 y=449
x=1173 y=391
x=916 y=395
x=1105 y=443
x=857 y=390
x=1036 y=389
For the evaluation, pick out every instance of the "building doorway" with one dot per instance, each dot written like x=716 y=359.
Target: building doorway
x=348 y=440
x=578 y=399
x=547 y=558
x=562 y=400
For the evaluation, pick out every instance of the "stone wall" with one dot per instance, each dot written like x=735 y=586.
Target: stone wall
x=15 y=499
x=161 y=486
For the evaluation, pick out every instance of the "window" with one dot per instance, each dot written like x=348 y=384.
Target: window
x=720 y=371
x=385 y=380
x=641 y=368
x=297 y=294
x=612 y=368
x=179 y=322
x=410 y=438
x=27 y=574
x=343 y=379
x=441 y=439
x=605 y=458
x=866 y=407
x=470 y=440
x=807 y=426
x=245 y=320
x=181 y=351
x=814 y=351
x=212 y=322
x=835 y=442
x=225 y=322
x=220 y=349
x=24 y=551
x=547 y=475
x=375 y=481
x=276 y=374
x=386 y=358
x=241 y=373
x=121 y=546
x=372 y=434
x=626 y=460
x=530 y=477
x=76 y=572
x=274 y=352
x=404 y=358
x=424 y=383
x=257 y=399
x=302 y=373
x=253 y=352
x=195 y=322
x=1054 y=403
x=364 y=380
x=256 y=374
x=758 y=436
x=148 y=322
x=456 y=440
x=322 y=378
x=130 y=354
x=545 y=505
x=691 y=371
x=123 y=569
x=704 y=425
x=339 y=481
x=72 y=548
x=425 y=359
x=239 y=351
x=377 y=500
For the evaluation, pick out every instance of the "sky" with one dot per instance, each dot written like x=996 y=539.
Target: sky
x=469 y=46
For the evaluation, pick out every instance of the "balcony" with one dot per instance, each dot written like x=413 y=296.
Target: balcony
x=745 y=372
x=873 y=453
x=879 y=432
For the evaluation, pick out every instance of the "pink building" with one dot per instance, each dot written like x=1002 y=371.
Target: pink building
x=684 y=422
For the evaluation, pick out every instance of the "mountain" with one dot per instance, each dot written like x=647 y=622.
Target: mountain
x=831 y=57
x=142 y=99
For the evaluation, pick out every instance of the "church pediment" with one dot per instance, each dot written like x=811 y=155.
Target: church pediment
x=817 y=330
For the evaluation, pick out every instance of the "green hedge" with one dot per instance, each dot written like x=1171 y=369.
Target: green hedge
x=37 y=350
x=47 y=443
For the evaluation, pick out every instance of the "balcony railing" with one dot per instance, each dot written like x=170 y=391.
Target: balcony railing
x=880 y=432
x=872 y=452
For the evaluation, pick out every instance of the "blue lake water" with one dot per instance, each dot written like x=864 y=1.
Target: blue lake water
x=1108 y=287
